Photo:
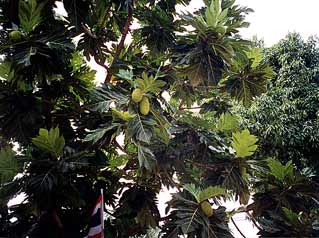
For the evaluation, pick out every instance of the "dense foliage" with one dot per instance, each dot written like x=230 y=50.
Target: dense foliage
x=160 y=117
x=286 y=117
x=286 y=121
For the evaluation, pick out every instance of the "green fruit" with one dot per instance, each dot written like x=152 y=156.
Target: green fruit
x=137 y=95
x=207 y=208
x=15 y=36
x=125 y=116
x=145 y=106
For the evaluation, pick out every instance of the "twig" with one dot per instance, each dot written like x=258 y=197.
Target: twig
x=205 y=166
x=253 y=220
x=237 y=227
x=87 y=31
x=120 y=147
x=122 y=41
x=101 y=64
x=190 y=108
x=181 y=104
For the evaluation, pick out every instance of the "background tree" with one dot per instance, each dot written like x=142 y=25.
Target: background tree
x=286 y=121
x=286 y=117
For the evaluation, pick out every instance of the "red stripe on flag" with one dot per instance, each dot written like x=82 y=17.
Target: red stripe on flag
x=99 y=235
x=99 y=200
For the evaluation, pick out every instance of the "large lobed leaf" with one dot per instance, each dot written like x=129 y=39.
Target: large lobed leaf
x=280 y=171
x=244 y=143
x=227 y=122
x=50 y=141
x=30 y=14
x=248 y=77
x=149 y=84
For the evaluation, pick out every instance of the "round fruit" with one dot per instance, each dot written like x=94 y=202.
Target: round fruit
x=207 y=208
x=137 y=95
x=145 y=106
x=125 y=116
x=15 y=36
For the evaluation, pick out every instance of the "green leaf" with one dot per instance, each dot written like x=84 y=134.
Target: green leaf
x=245 y=82
x=123 y=115
x=211 y=16
x=140 y=129
x=291 y=216
x=227 y=122
x=255 y=55
x=162 y=129
x=125 y=74
x=244 y=143
x=145 y=157
x=6 y=71
x=97 y=134
x=280 y=171
x=192 y=189
x=102 y=98
x=149 y=84
x=76 y=61
x=8 y=165
x=202 y=195
x=117 y=161
x=210 y=192
x=30 y=14
x=50 y=141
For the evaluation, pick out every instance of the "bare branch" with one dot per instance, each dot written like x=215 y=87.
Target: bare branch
x=122 y=41
x=237 y=227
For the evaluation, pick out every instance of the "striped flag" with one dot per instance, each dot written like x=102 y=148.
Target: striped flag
x=97 y=219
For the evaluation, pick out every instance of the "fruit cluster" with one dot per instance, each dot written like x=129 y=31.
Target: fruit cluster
x=144 y=103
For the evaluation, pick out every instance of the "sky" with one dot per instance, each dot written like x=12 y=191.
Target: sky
x=273 y=19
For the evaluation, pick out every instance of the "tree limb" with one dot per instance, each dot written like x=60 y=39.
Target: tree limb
x=122 y=41
x=237 y=228
x=253 y=220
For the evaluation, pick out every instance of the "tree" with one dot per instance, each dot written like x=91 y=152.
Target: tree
x=286 y=121
x=67 y=128
x=286 y=117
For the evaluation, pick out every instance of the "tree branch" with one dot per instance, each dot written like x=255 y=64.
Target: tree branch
x=122 y=41
x=253 y=220
x=88 y=32
x=205 y=166
x=190 y=108
x=237 y=228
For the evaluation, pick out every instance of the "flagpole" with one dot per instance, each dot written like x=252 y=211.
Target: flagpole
x=102 y=209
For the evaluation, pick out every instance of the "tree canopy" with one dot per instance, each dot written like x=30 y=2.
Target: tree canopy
x=161 y=117
x=286 y=117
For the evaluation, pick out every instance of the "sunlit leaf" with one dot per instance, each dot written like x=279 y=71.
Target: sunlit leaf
x=210 y=192
x=244 y=143
x=149 y=83
x=227 y=122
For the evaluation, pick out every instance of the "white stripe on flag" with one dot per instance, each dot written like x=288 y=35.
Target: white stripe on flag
x=95 y=230
x=97 y=207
